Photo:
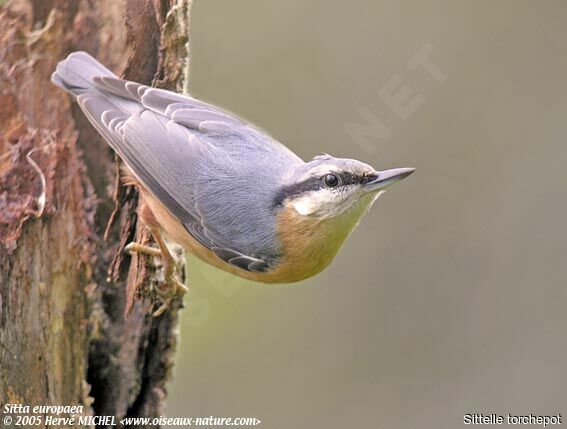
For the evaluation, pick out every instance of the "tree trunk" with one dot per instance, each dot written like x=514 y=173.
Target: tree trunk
x=65 y=283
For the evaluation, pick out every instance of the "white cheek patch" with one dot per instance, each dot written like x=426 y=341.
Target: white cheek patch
x=314 y=201
x=303 y=206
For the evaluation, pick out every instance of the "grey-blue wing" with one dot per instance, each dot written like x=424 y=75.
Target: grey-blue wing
x=202 y=163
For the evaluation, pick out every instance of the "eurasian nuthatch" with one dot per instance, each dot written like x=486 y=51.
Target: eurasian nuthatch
x=220 y=187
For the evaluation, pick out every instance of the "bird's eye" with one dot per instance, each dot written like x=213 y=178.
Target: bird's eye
x=331 y=180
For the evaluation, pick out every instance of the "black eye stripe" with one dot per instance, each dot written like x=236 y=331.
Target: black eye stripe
x=310 y=184
x=351 y=179
x=313 y=184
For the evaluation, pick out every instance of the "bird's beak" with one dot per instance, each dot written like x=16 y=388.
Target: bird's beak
x=382 y=179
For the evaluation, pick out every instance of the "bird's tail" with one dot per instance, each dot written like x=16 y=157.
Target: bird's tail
x=74 y=74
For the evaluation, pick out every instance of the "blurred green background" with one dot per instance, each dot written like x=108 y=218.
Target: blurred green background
x=450 y=298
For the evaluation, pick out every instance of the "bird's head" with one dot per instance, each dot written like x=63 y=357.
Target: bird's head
x=321 y=202
x=329 y=187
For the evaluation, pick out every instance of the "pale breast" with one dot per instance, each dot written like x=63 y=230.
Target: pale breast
x=309 y=244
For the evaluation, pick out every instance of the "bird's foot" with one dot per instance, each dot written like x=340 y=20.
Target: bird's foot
x=134 y=247
x=172 y=287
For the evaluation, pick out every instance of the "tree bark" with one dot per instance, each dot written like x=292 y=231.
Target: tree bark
x=65 y=283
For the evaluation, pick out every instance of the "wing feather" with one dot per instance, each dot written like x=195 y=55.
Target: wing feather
x=198 y=161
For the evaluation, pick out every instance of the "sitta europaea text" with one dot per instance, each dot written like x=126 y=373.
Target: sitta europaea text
x=220 y=187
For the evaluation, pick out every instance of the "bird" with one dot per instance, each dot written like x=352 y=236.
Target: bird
x=219 y=186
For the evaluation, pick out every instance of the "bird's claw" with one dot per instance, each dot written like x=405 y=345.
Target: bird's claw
x=172 y=287
x=134 y=247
